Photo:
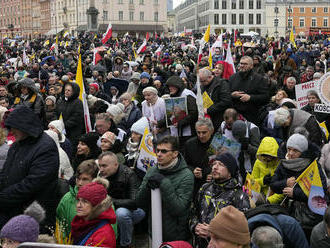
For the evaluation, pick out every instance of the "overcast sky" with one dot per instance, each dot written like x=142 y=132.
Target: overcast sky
x=177 y=2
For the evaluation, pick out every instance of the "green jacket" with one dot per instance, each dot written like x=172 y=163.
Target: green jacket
x=66 y=210
x=177 y=194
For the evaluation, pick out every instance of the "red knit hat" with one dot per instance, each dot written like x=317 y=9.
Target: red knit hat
x=95 y=86
x=93 y=192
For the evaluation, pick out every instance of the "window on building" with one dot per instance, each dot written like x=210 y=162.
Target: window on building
x=250 y=18
x=155 y=1
x=216 y=19
x=302 y=22
x=105 y=15
x=290 y=23
x=258 y=21
x=216 y=4
x=258 y=4
x=325 y=22
x=325 y=9
x=314 y=10
x=224 y=18
x=131 y=1
x=224 y=4
x=131 y=16
x=121 y=15
x=156 y=16
x=233 y=18
x=302 y=10
x=241 y=4
x=233 y=4
x=141 y=16
x=241 y=18
x=313 y=24
x=250 y=4
x=120 y=1
x=141 y=2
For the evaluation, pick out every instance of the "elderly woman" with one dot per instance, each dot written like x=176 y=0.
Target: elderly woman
x=295 y=159
x=92 y=224
x=131 y=111
x=313 y=98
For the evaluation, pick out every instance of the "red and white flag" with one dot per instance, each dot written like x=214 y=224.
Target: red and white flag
x=159 y=49
x=229 y=59
x=96 y=56
x=147 y=36
x=108 y=34
x=142 y=48
x=156 y=36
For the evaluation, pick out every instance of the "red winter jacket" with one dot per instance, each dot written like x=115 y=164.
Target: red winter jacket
x=103 y=237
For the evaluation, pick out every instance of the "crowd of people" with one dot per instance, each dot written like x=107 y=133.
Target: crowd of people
x=62 y=184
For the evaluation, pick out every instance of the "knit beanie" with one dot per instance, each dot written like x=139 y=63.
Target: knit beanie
x=58 y=124
x=231 y=225
x=25 y=227
x=95 y=86
x=239 y=129
x=298 y=142
x=109 y=136
x=175 y=81
x=52 y=98
x=94 y=192
x=229 y=161
x=136 y=76
x=144 y=75
x=150 y=89
x=116 y=109
x=140 y=125
x=90 y=139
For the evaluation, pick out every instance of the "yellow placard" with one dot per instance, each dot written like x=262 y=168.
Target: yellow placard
x=207 y=101
x=324 y=129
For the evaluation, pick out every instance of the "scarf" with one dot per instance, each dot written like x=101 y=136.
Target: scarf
x=297 y=164
x=132 y=149
x=81 y=227
x=169 y=166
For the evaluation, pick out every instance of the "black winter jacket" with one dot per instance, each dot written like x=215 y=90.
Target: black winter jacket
x=219 y=91
x=73 y=115
x=255 y=86
x=31 y=169
x=123 y=188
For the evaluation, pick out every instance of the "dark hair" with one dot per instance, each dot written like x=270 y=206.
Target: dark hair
x=4 y=98
x=170 y=140
x=89 y=167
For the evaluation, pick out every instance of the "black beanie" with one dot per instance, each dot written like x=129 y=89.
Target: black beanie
x=90 y=139
x=229 y=161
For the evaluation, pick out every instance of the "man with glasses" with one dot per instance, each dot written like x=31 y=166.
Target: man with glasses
x=176 y=183
x=219 y=91
x=249 y=90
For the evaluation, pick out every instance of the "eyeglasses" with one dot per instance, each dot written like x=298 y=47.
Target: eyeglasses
x=163 y=151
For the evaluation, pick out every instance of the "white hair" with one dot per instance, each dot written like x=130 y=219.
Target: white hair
x=281 y=116
x=293 y=79
x=205 y=72
x=267 y=237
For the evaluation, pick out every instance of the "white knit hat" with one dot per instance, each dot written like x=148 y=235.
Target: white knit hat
x=298 y=142
x=58 y=124
x=150 y=89
x=140 y=126
x=115 y=110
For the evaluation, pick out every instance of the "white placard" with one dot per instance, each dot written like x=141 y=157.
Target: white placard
x=322 y=108
x=301 y=92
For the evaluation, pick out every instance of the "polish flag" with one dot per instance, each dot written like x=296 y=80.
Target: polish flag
x=142 y=48
x=147 y=36
x=156 y=36
x=108 y=34
x=230 y=61
x=159 y=49
x=96 y=56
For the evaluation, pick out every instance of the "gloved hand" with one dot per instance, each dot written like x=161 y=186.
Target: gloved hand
x=267 y=179
x=155 y=180
x=244 y=143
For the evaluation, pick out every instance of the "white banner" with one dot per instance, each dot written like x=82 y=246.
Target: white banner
x=301 y=92
x=322 y=108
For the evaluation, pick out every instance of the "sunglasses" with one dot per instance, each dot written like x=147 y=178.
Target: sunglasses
x=163 y=151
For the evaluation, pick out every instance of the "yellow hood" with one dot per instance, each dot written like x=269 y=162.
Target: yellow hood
x=268 y=146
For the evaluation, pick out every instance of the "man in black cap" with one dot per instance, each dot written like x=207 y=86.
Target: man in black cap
x=222 y=191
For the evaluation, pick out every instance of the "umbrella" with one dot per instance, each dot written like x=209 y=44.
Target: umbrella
x=120 y=84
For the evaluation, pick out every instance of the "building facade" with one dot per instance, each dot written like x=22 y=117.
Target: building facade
x=305 y=17
x=169 y=5
x=10 y=18
x=45 y=16
x=243 y=15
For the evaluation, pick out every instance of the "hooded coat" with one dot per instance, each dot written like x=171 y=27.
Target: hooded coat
x=73 y=115
x=31 y=169
x=177 y=192
x=261 y=168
